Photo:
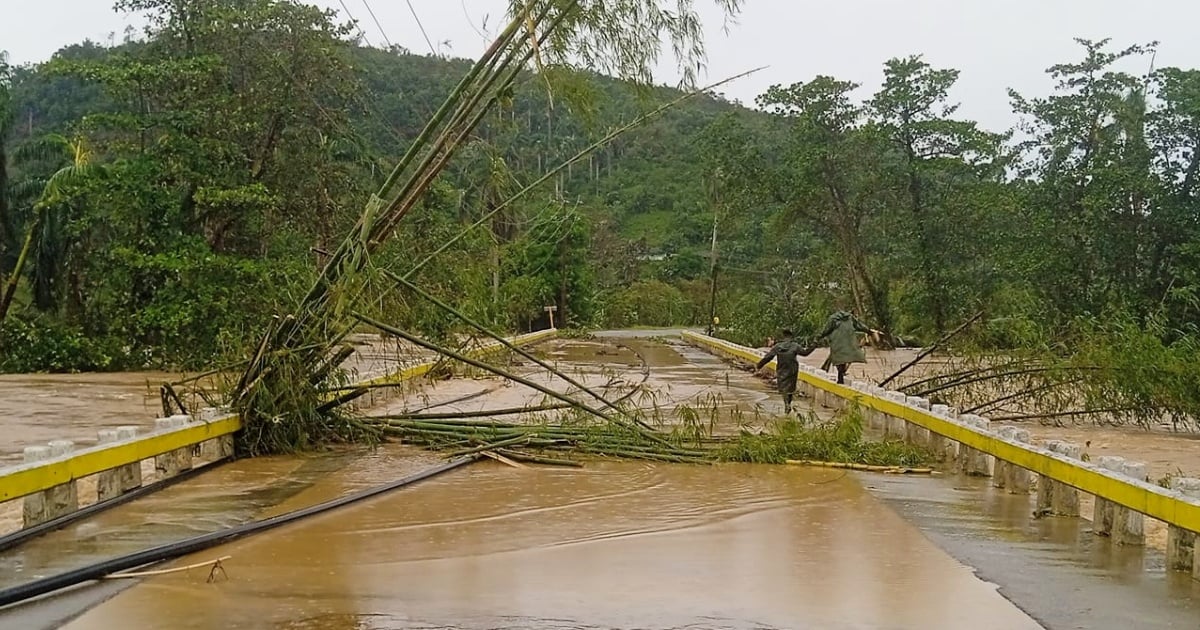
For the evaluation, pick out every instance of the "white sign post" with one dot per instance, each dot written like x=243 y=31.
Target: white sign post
x=551 y=310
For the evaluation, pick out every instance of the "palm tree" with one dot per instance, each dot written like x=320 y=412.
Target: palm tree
x=44 y=235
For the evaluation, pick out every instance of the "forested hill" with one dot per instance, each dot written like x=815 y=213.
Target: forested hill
x=650 y=180
x=162 y=255
x=177 y=192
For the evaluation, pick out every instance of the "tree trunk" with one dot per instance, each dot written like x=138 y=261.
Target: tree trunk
x=8 y=240
x=562 y=284
x=10 y=290
x=925 y=247
x=495 y=274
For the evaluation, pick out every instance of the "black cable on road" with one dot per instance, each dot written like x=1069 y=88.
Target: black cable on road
x=173 y=550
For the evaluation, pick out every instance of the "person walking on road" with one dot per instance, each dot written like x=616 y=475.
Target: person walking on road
x=787 y=366
x=842 y=332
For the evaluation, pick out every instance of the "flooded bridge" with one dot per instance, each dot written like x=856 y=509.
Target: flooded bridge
x=613 y=544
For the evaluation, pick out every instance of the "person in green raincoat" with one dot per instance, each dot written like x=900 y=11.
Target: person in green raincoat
x=787 y=366
x=842 y=333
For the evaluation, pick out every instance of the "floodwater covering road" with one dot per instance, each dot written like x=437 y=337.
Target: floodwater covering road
x=612 y=545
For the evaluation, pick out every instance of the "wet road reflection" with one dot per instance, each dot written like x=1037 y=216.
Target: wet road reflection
x=614 y=545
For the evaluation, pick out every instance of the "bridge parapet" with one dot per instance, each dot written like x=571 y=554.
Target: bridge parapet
x=1123 y=495
x=49 y=477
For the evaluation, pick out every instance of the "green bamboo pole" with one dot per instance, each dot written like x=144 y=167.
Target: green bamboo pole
x=490 y=368
x=15 y=278
x=612 y=135
x=534 y=459
x=367 y=231
x=483 y=413
x=506 y=343
x=466 y=120
x=490 y=446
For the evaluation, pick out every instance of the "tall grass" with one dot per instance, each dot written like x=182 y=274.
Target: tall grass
x=838 y=441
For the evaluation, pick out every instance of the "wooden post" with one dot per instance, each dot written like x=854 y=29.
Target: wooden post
x=550 y=310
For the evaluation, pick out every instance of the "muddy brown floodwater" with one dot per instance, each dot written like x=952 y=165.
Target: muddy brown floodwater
x=615 y=545
x=38 y=408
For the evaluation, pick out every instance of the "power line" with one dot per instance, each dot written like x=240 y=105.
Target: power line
x=420 y=26
x=377 y=24
x=350 y=15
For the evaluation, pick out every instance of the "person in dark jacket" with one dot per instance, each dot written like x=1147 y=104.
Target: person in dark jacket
x=842 y=333
x=787 y=366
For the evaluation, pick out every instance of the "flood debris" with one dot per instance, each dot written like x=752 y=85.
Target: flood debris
x=564 y=437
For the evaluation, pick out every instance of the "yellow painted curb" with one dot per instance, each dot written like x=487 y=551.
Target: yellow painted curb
x=25 y=479
x=1151 y=500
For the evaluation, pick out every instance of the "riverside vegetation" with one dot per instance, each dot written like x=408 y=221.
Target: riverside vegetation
x=163 y=197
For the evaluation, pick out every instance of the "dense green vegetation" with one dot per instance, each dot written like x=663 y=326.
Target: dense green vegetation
x=173 y=193
x=225 y=154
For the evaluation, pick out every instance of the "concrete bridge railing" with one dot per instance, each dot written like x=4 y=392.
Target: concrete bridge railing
x=970 y=445
x=49 y=478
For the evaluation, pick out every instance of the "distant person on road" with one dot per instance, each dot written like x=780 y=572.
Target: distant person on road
x=842 y=332
x=787 y=366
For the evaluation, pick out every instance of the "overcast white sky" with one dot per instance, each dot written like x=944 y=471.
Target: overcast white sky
x=997 y=44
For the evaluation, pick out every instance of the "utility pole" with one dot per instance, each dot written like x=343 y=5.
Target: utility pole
x=715 y=200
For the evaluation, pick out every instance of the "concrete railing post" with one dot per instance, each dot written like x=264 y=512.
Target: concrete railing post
x=978 y=462
x=1003 y=473
x=1104 y=512
x=216 y=448
x=35 y=504
x=875 y=418
x=915 y=434
x=130 y=474
x=54 y=502
x=1020 y=480
x=1046 y=487
x=939 y=445
x=108 y=482
x=1129 y=525
x=63 y=498
x=1065 y=501
x=895 y=428
x=1181 y=543
x=170 y=464
x=828 y=399
x=1055 y=497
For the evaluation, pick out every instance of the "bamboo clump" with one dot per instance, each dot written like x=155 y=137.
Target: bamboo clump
x=281 y=396
x=469 y=437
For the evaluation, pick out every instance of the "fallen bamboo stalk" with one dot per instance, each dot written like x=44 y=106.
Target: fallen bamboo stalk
x=444 y=433
x=615 y=452
x=491 y=446
x=930 y=350
x=482 y=413
x=138 y=574
x=985 y=376
x=536 y=459
x=498 y=371
x=607 y=139
x=447 y=423
x=862 y=467
x=315 y=315
x=502 y=459
x=432 y=299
